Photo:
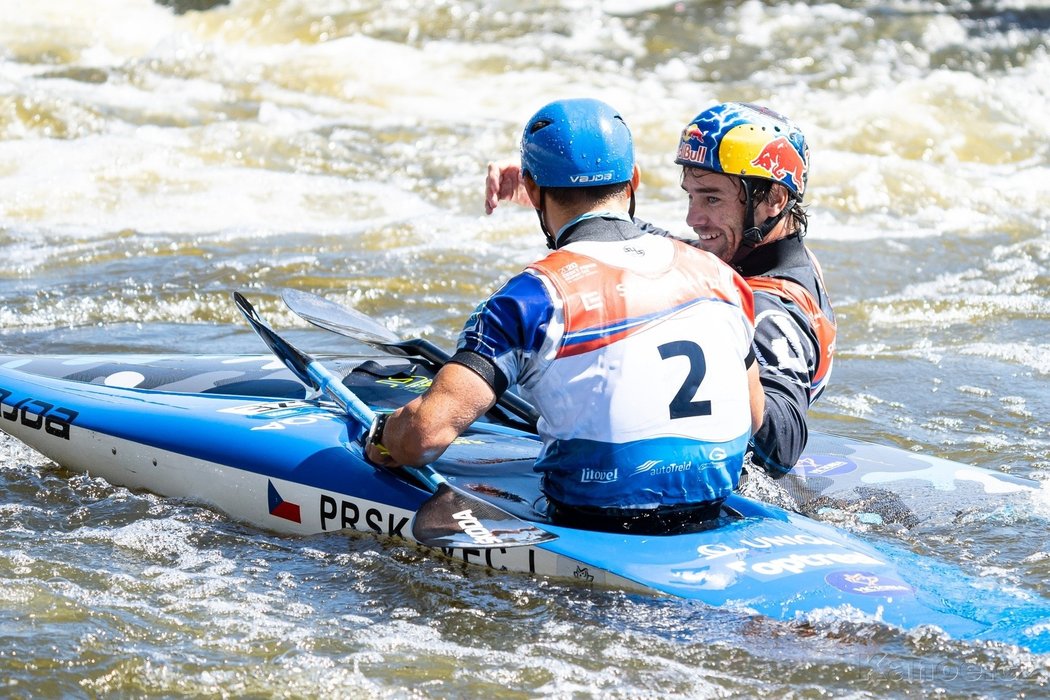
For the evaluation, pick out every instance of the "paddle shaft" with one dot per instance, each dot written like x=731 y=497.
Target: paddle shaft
x=450 y=517
x=319 y=377
x=330 y=384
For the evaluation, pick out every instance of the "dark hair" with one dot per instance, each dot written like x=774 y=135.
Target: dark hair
x=762 y=191
x=585 y=196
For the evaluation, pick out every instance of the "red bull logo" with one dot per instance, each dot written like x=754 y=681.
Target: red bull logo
x=692 y=132
x=692 y=155
x=780 y=159
x=686 y=151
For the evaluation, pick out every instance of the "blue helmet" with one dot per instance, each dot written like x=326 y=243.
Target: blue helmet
x=577 y=143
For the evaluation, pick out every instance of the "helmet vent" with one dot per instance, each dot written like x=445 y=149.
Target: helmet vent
x=538 y=124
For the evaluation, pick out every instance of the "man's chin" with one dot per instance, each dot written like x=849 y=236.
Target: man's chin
x=715 y=246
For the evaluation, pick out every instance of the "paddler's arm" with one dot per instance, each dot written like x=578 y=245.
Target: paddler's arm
x=785 y=349
x=758 y=397
x=779 y=441
x=490 y=352
x=420 y=432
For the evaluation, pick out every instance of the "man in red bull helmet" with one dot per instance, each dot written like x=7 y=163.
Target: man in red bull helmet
x=744 y=169
x=634 y=348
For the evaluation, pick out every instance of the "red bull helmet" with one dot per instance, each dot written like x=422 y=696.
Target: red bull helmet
x=747 y=140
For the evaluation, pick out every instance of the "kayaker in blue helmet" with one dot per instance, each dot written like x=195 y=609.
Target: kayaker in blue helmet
x=634 y=348
x=745 y=170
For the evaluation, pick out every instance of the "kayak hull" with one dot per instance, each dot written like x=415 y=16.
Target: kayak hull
x=235 y=433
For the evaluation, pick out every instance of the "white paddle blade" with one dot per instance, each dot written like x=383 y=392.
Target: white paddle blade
x=454 y=519
x=339 y=319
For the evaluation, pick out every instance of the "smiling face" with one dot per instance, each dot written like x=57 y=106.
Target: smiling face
x=716 y=211
x=717 y=208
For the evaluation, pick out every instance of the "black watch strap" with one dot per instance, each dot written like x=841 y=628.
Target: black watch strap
x=375 y=433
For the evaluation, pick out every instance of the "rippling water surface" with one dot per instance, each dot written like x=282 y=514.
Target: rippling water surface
x=155 y=157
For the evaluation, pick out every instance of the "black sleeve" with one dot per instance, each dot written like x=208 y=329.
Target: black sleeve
x=786 y=351
x=779 y=442
x=484 y=368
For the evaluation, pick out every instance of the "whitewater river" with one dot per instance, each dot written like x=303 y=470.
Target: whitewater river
x=154 y=159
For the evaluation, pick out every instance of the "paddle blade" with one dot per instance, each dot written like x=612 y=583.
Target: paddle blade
x=339 y=319
x=451 y=518
x=293 y=359
x=351 y=323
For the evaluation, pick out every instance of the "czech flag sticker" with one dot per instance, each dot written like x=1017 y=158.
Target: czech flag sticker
x=280 y=507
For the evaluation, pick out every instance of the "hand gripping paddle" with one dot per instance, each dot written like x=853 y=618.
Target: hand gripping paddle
x=451 y=517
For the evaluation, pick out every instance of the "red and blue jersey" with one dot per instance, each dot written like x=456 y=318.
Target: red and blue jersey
x=635 y=352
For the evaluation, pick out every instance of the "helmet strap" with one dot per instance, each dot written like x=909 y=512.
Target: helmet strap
x=754 y=235
x=551 y=243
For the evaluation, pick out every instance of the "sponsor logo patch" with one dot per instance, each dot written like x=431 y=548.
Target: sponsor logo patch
x=600 y=476
x=657 y=468
x=824 y=465
x=692 y=155
x=592 y=177
x=865 y=583
x=574 y=271
x=473 y=528
x=37 y=415
x=268 y=408
x=417 y=384
x=583 y=573
x=780 y=159
x=646 y=466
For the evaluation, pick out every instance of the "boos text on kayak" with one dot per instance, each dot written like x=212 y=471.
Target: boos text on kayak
x=35 y=414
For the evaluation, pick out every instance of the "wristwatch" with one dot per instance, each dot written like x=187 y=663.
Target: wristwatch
x=375 y=433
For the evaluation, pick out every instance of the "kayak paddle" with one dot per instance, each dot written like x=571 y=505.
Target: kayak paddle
x=451 y=517
x=352 y=323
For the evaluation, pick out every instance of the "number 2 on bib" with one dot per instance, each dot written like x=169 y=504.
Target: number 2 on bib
x=683 y=405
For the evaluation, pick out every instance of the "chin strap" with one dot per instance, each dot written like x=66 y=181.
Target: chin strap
x=753 y=235
x=551 y=243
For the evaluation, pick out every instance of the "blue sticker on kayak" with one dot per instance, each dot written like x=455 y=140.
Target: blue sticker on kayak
x=866 y=583
x=824 y=465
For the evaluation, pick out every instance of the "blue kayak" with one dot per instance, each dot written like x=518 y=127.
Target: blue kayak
x=243 y=435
